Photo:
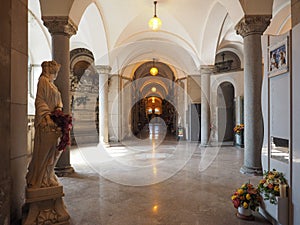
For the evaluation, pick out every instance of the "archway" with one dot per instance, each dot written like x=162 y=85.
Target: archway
x=150 y=112
x=225 y=111
x=84 y=93
x=154 y=101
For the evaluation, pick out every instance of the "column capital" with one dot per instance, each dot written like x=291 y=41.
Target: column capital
x=207 y=69
x=103 y=69
x=60 y=25
x=252 y=24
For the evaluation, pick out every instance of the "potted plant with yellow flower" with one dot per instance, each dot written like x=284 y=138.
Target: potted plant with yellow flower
x=274 y=189
x=272 y=185
x=246 y=199
x=239 y=134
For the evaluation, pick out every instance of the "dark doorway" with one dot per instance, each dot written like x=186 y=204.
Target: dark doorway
x=225 y=112
x=149 y=110
x=195 y=122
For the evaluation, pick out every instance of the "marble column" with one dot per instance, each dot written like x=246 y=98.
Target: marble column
x=103 y=71
x=205 y=71
x=61 y=29
x=251 y=27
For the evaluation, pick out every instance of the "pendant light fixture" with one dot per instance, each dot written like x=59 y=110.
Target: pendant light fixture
x=155 y=22
x=153 y=71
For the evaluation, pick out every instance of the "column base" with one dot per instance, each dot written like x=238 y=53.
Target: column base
x=63 y=171
x=45 y=206
x=257 y=171
x=205 y=144
x=105 y=144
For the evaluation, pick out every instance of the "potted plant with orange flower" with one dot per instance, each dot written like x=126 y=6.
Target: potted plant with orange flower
x=246 y=199
x=239 y=134
x=239 y=129
x=274 y=189
x=272 y=184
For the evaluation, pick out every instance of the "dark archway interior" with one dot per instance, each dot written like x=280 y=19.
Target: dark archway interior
x=153 y=111
x=156 y=94
x=225 y=111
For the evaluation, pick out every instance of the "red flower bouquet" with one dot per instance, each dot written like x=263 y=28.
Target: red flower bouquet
x=64 y=122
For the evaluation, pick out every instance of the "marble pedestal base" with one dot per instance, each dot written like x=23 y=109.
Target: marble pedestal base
x=251 y=170
x=64 y=171
x=45 y=206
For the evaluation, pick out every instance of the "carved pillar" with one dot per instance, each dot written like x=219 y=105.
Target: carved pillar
x=295 y=11
x=61 y=29
x=205 y=71
x=251 y=27
x=103 y=71
x=13 y=108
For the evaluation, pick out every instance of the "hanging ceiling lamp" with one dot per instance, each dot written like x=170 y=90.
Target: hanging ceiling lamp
x=154 y=22
x=153 y=70
x=153 y=89
x=153 y=100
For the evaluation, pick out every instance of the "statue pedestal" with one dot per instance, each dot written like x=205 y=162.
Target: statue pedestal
x=45 y=206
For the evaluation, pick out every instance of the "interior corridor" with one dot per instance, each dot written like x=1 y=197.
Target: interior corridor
x=155 y=181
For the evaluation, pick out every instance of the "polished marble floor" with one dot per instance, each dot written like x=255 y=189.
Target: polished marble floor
x=155 y=181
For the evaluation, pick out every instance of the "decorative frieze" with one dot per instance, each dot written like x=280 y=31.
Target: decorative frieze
x=253 y=24
x=103 y=69
x=207 y=69
x=60 y=25
x=78 y=52
x=45 y=206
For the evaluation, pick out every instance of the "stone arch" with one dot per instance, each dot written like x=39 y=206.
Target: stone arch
x=225 y=111
x=84 y=97
x=226 y=61
x=142 y=90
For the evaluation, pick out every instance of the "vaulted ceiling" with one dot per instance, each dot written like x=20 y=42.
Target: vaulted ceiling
x=192 y=33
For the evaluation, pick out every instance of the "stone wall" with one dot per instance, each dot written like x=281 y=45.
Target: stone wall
x=13 y=108
x=114 y=108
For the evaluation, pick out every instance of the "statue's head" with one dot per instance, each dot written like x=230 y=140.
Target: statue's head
x=50 y=67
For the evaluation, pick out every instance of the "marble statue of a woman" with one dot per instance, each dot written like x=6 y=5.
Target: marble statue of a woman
x=48 y=98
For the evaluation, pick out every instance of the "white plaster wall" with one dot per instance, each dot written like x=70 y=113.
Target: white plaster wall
x=193 y=88
x=276 y=105
x=264 y=102
x=193 y=96
x=180 y=105
x=39 y=49
x=237 y=80
x=113 y=108
x=296 y=122
x=280 y=106
x=125 y=114
x=264 y=94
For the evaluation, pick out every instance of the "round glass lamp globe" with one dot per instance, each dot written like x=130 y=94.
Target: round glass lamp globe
x=155 y=23
x=153 y=71
x=153 y=89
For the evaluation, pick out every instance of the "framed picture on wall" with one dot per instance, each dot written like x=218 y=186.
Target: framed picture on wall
x=278 y=58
